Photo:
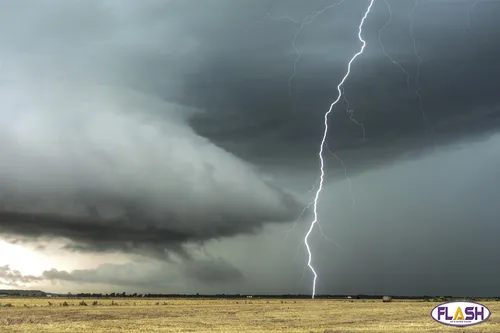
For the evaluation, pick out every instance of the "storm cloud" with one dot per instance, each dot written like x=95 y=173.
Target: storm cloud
x=147 y=127
x=457 y=79
x=145 y=274
x=83 y=163
x=105 y=165
x=236 y=64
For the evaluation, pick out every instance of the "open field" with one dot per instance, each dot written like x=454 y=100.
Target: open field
x=220 y=315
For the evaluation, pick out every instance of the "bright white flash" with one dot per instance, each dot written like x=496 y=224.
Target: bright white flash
x=322 y=146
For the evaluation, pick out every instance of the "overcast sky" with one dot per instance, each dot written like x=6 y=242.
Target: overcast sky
x=171 y=146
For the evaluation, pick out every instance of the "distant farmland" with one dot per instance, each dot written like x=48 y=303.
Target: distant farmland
x=223 y=315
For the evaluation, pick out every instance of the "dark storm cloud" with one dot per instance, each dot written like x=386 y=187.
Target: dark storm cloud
x=246 y=84
x=89 y=154
x=14 y=278
x=225 y=57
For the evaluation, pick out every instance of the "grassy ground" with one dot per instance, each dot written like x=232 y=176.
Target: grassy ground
x=256 y=315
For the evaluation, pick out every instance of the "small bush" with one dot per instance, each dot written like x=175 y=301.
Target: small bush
x=82 y=303
x=65 y=304
x=94 y=303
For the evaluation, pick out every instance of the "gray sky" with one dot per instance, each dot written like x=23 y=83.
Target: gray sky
x=170 y=145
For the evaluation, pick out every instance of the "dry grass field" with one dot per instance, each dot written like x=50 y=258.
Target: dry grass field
x=251 y=315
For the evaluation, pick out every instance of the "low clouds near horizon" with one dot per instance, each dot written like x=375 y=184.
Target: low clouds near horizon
x=149 y=275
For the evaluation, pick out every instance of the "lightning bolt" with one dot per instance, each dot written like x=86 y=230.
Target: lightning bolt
x=298 y=219
x=322 y=145
x=351 y=117
x=417 y=55
x=346 y=176
x=379 y=36
x=417 y=75
x=419 y=62
x=308 y=20
x=301 y=23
